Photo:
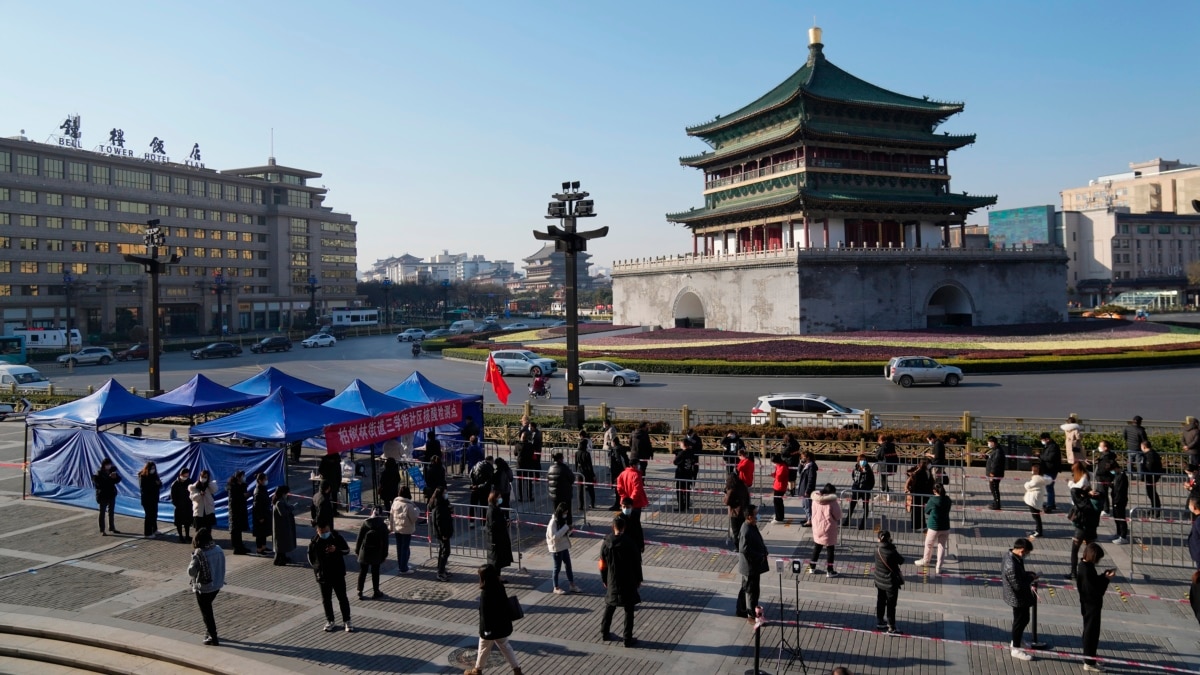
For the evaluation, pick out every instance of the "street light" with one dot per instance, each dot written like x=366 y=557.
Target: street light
x=219 y=286
x=312 y=300
x=387 y=301
x=567 y=206
x=154 y=238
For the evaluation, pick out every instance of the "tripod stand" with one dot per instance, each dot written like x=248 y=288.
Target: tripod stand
x=793 y=648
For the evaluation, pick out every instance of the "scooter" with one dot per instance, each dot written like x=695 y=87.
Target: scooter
x=545 y=393
x=416 y=349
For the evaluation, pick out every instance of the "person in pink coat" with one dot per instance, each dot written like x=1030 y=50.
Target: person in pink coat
x=826 y=519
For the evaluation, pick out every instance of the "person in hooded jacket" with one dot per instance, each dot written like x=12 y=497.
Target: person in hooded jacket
x=499 y=543
x=371 y=548
x=862 y=483
x=330 y=471
x=435 y=475
x=182 y=504
x=826 y=518
x=888 y=582
x=791 y=455
x=1051 y=458
x=618 y=459
x=239 y=516
x=322 y=508
x=495 y=621
x=1135 y=435
x=641 y=448
x=527 y=466
x=1119 y=491
x=1073 y=440
x=403 y=523
x=151 y=487
x=326 y=555
x=207 y=573
x=1105 y=463
x=732 y=446
x=283 y=525
x=502 y=481
x=996 y=460
x=558 y=543
x=105 y=481
x=1035 y=496
x=260 y=513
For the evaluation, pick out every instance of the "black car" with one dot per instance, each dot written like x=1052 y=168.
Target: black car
x=216 y=349
x=338 y=332
x=276 y=343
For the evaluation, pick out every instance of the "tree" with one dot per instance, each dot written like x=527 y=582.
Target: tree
x=1193 y=273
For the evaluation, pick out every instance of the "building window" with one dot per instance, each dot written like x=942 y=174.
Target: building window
x=100 y=204
x=1123 y=228
x=299 y=241
x=198 y=252
x=3 y=194
x=229 y=193
x=27 y=196
x=181 y=232
x=4 y=219
x=27 y=244
x=197 y=214
x=5 y=267
x=197 y=188
x=78 y=202
x=131 y=249
x=214 y=253
x=77 y=171
x=161 y=210
x=130 y=178
x=78 y=224
x=25 y=220
x=247 y=254
x=5 y=161
x=79 y=247
x=5 y=243
x=244 y=195
x=214 y=216
x=52 y=168
x=248 y=219
x=100 y=225
x=197 y=233
x=100 y=175
x=54 y=199
x=129 y=228
x=102 y=247
x=1143 y=229
x=1164 y=229
x=181 y=212
x=231 y=217
x=299 y=226
x=162 y=182
x=54 y=222
x=262 y=255
x=27 y=164
x=230 y=235
x=231 y=253
x=1185 y=229
x=54 y=245
x=179 y=186
x=247 y=237
x=299 y=199
x=28 y=268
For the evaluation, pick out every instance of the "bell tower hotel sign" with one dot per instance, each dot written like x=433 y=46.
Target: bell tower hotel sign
x=115 y=147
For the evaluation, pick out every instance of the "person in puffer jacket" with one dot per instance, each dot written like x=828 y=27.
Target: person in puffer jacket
x=888 y=582
x=826 y=519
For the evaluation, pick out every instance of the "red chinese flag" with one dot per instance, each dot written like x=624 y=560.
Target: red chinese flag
x=492 y=375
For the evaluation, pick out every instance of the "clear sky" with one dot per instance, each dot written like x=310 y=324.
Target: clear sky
x=447 y=125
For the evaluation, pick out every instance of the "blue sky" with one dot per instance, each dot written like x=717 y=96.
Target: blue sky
x=447 y=125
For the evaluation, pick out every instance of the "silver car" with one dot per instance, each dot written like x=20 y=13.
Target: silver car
x=523 y=362
x=93 y=355
x=909 y=370
x=799 y=409
x=607 y=372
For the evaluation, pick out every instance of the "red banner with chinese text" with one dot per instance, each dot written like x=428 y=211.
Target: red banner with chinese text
x=361 y=433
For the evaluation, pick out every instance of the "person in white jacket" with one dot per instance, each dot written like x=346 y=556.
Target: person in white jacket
x=402 y=522
x=1035 y=496
x=1073 y=441
x=559 y=544
x=204 y=510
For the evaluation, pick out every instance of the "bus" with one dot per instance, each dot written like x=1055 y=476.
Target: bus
x=12 y=349
x=460 y=314
x=350 y=317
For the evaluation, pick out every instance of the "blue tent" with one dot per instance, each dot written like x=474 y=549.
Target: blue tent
x=266 y=382
x=111 y=404
x=420 y=389
x=282 y=417
x=64 y=460
x=362 y=399
x=202 y=395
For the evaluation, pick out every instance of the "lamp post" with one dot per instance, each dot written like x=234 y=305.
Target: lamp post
x=154 y=239
x=312 y=300
x=387 y=302
x=567 y=206
x=218 y=287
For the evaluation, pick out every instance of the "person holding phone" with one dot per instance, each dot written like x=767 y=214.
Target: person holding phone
x=1092 y=585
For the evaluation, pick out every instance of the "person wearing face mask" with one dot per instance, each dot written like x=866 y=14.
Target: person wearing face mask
x=633 y=527
x=780 y=486
x=1017 y=588
x=1119 y=493
x=499 y=543
x=994 y=469
x=239 y=518
x=260 y=513
x=204 y=511
x=1105 y=464
x=862 y=482
x=105 y=481
x=752 y=563
x=326 y=555
x=151 y=488
x=183 y=506
x=1051 y=464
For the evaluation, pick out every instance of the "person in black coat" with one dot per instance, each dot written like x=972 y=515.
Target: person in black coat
x=151 y=487
x=1194 y=549
x=260 y=513
x=937 y=455
x=389 y=483
x=887 y=458
x=1152 y=471
x=433 y=447
x=239 y=517
x=371 y=548
x=862 y=483
x=1119 y=491
x=560 y=481
x=1105 y=463
x=618 y=459
x=1051 y=459
x=1092 y=585
x=585 y=473
x=752 y=564
x=330 y=471
x=1017 y=590
x=441 y=518
x=1084 y=502
x=791 y=455
x=1135 y=435
x=105 y=481
x=435 y=475
x=499 y=544
x=918 y=487
x=527 y=466
x=997 y=460
x=737 y=498
x=621 y=573
x=732 y=446
x=686 y=464
x=322 y=509
x=888 y=582
x=495 y=621
x=641 y=449
x=182 y=503
x=326 y=554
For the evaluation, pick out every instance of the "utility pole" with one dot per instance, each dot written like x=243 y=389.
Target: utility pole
x=154 y=239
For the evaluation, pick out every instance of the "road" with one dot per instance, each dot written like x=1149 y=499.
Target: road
x=381 y=362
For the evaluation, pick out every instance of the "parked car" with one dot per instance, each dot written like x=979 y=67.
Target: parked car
x=338 y=332
x=87 y=355
x=22 y=377
x=440 y=332
x=909 y=370
x=488 y=327
x=491 y=318
x=517 y=326
x=556 y=324
x=523 y=362
x=275 y=343
x=216 y=349
x=411 y=335
x=795 y=409
x=140 y=350
x=319 y=340
x=607 y=372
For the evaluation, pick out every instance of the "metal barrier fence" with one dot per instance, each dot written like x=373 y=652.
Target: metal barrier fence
x=470 y=533
x=887 y=511
x=1161 y=539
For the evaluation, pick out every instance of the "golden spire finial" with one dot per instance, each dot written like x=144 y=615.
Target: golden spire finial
x=814 y=33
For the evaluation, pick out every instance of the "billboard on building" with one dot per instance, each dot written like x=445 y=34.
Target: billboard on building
x=1021 y=227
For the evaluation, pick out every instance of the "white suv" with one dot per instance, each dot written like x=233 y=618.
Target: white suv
x=909 y=370
x=523 y=362
x=794 y=409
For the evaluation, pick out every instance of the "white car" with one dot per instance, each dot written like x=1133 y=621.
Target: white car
x=319 y=340
x=411 y=335
x=909 y=370
x=517 y=326
x=607 y=372
x=796 y=409
x=523 y=362
x=92 y=355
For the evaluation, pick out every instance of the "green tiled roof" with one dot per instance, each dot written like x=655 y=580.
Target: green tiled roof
x=842 y=130
x=956 y=200
x=818 y=77
x=741 y=145
x=748 y=205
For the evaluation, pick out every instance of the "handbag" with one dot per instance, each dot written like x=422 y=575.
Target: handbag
x=514 y=608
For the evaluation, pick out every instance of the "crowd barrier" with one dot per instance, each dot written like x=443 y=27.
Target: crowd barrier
x=1159 y=537
x=887 y=511
x=470 y=533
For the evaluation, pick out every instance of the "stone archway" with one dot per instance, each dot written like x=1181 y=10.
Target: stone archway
x=689 y=311
x=949 y=305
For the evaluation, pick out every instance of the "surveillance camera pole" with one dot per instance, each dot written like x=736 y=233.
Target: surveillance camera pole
x=154 y=238
x=569 y=205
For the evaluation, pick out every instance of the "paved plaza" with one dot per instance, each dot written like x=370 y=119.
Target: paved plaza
x=69 y=590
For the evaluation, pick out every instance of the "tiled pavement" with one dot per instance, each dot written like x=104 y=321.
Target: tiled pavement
x=52 y=558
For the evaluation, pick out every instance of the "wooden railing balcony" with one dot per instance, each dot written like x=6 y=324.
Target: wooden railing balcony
x=799 y=163
x=789 y=165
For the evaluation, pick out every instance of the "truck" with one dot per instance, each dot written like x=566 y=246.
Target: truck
x=49 y=338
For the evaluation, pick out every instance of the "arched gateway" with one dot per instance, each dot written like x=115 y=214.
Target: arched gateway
x=949 y=305
x=689 y=311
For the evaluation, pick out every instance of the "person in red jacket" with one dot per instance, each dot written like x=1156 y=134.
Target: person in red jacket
x=745 y=468
x=782 y=473
x=630 y=485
